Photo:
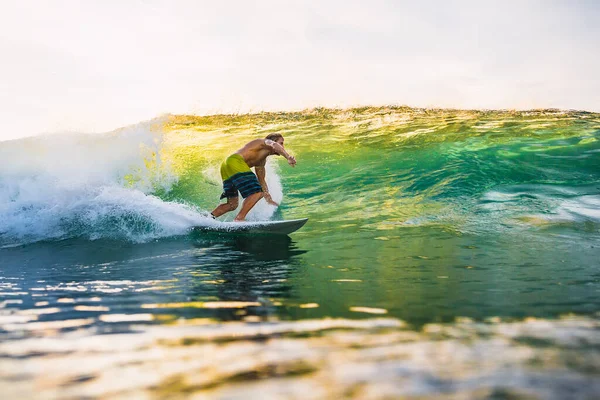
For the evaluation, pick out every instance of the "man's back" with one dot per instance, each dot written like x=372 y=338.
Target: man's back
x=255 y=152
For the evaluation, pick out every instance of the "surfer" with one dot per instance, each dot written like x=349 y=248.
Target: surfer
x=237 y=175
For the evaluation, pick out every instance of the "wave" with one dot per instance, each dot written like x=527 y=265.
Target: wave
x=74 y=184
x=378 y=167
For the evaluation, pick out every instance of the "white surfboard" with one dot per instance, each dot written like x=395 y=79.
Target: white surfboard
x=256 y=227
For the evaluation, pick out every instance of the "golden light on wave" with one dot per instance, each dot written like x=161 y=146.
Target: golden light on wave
x=126 y=317
x=369 y=310
x=40 y=311
x=114 y=290
x=205 y=304
x=49 y=325
x=154 y=288
x=309 y=305
x=16 y=319
x=7 y=302
x=91 y=308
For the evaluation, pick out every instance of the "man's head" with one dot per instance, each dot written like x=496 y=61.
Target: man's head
x=276 y=137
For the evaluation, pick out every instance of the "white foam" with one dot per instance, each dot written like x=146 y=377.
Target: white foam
x=64 y=185
x=263 y=211
x=587 y=207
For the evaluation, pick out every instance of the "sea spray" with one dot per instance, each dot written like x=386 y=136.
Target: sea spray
x=66 y=185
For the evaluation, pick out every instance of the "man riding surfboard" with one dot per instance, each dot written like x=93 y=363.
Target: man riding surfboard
x=237 y=176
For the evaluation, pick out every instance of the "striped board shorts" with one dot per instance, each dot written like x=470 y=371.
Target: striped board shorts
x=237 y=176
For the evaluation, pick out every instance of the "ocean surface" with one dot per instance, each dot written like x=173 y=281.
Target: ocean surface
x=448 y=254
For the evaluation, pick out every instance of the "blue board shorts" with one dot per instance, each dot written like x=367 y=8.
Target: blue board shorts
x=237 y=176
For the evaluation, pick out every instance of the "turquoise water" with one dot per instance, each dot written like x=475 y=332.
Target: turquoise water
x=420 y=221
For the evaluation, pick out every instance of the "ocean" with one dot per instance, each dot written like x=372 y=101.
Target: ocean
x=448 y=254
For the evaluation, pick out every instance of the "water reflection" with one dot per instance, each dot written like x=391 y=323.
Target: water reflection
x=258 y=247
x=245 y=268
x=107 y=283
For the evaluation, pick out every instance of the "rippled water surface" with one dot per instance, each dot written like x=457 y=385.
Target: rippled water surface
x=447 y=253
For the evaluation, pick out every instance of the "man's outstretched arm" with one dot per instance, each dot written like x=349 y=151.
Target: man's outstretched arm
x=278 y=149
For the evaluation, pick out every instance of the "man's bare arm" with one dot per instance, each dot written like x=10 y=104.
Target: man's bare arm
x=278 y=149
x=261 y=174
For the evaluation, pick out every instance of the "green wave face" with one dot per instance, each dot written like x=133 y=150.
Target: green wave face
x=382 y=168
x=437 y=207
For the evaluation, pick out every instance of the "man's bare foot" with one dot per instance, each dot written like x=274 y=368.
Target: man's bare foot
x=236 y=219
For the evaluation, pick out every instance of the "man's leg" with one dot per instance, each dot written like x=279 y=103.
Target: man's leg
x=232 y=203
x=247 y=205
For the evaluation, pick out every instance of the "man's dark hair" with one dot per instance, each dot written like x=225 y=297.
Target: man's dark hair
x=274 y=136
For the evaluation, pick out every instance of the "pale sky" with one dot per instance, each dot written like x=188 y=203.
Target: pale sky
x=93 y=66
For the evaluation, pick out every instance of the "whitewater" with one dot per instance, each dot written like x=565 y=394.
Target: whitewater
x=95 y=186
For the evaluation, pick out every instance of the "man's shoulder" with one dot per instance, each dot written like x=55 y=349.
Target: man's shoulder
x=257 y=142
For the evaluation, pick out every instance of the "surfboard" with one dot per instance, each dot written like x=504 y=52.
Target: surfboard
x=255 y=227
